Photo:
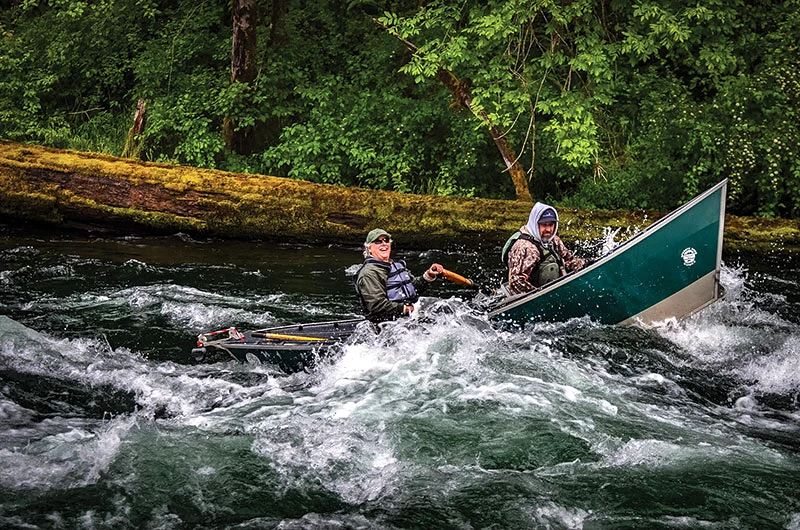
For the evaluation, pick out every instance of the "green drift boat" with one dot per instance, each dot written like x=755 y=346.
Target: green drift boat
x=666 y=272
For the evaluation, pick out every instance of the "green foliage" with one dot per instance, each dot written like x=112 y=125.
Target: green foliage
x=64 y=62
x=741 y=125
x=609 y=104
x=182 y=73
x=84 y=62
x=637 y=104
x=350 y=121
x=345 y=141
x=538 y=69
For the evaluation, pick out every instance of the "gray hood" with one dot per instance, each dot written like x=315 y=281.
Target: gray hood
x=533 y=221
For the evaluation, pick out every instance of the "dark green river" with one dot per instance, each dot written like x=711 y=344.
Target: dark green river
x=436 y=423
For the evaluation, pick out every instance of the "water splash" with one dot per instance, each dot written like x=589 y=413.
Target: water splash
x=440 y=421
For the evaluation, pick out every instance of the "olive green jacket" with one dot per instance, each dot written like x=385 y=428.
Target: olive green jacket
x=370 y=284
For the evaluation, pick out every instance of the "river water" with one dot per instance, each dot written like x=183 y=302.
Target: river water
x=443 y=423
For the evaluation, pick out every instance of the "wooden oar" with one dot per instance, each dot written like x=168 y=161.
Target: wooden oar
x=466 y=282
x=458 y=279
x=281 y=336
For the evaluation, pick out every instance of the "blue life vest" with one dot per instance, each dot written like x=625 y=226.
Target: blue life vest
x=399 y=286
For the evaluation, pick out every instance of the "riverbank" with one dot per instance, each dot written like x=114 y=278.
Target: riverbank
x=105 y=194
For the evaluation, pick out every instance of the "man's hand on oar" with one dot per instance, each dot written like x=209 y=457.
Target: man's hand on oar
x=433 y=272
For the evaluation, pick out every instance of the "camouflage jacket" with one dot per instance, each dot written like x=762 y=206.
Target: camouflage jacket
x=524 y=257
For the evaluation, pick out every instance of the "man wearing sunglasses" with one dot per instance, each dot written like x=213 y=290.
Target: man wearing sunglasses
x=386 y=289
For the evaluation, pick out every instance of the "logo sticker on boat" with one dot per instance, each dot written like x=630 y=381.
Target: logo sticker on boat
x=689 y=254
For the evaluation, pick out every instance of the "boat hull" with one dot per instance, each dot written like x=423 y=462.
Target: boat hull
x=291 y=348
x=668 y=271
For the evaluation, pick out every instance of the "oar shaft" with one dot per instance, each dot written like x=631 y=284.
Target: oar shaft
x=281 y=336
x=456 y=278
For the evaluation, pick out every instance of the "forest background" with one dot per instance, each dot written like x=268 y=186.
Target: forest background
x=594 y=104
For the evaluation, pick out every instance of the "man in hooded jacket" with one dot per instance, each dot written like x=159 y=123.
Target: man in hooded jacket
x=535 y=255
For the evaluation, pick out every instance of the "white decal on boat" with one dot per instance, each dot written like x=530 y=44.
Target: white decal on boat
x=689 y=254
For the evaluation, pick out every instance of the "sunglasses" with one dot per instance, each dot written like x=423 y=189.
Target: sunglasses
x=382 y=240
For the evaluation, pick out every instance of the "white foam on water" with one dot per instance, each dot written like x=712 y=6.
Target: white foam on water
x=339 y=430
x=73 y=457
x=180 y=305
x=140 y=266
x=347 y=457
x=778 y=371
x=202 y=316
x=734 y=336
x=184 y=307
x=352 y=269
x=163 y=387
x=549 y=515
x=12 y=414
x=693 y=522
x=654 y=454
x=450 y=408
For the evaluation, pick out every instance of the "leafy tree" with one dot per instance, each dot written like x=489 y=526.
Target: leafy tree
x=609 y=104
x=538 y=70
x=183 y=72
x=621 y=104
x=346 y=117
x=63 y=65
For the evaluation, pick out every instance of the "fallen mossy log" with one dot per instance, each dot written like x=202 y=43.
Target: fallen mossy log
x=108 y=193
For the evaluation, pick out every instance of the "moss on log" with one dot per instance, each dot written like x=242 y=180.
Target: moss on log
x=86 y=189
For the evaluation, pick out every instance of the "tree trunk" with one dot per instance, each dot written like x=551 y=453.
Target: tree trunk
x=134 y=143
x=463 y=97
x=277 y=26
x=243 y=70
x=461 y=92
x=107 y=193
